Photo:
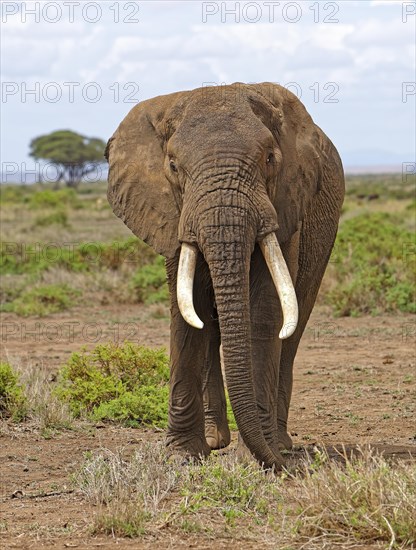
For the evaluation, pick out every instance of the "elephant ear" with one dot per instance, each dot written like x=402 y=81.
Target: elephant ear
x=138 y=190
x=300 y=142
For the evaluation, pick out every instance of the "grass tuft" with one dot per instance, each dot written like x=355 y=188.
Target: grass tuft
x=365 y=499
x=129 y=493
x=43 y=300
x=12 y=397
x=58 y=217
x=26 y=393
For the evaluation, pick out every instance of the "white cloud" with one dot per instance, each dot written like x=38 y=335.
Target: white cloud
x=375 y=3
x=369 y=53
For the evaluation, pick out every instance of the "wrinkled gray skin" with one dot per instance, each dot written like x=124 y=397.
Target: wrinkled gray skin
x=221 y=168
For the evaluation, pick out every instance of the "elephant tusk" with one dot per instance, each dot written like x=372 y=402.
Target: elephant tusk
x=283 y=283
x=186 y=272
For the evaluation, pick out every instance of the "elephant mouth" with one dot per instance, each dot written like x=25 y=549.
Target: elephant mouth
x=275 y=261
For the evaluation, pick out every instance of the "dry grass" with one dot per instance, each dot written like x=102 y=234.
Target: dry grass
x=363 y=498
x=317 y=502
x=96 y=287
x=45 y=411
x=84 y=225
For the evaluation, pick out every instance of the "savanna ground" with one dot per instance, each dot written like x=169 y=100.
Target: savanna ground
x=82 y=462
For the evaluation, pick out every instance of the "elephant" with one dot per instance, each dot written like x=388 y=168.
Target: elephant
x=241 y=193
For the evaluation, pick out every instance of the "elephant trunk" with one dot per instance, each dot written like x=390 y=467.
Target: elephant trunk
x=227 y=254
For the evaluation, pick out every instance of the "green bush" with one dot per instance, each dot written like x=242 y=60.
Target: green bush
x=15 y=194
x=54 y=199
x=59 y=217
x=146 y=405
x=12 y=397
x=149 y=283
x=43 y=300
x=128 y=384
x=374 y=265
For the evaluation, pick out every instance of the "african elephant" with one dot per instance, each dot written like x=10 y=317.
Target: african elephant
x=241 y=192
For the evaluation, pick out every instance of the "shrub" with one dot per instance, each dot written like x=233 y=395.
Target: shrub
x=17 y=194
x=43 y=300
x=372 y=271
x=12 y=397
x=128 y=384
x=54 y=199
x=60 y=217
x=146 y=405
x=149 y=283
x=18 y=258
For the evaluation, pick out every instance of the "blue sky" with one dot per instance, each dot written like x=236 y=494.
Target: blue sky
x=352 y=63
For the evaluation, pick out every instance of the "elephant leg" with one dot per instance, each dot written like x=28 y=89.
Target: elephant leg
x=217 y=432
x=289 y=350
x=266 y=318
x=284 y=395
x=186 y=432
x=307 y=256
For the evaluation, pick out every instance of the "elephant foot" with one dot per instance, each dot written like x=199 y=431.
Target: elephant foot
x=186 y=450
x=217 y=438
x=285 y=441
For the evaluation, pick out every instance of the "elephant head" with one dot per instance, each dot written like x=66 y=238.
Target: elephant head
x=215 y=171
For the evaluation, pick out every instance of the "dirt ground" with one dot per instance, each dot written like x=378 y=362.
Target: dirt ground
x=355 y=384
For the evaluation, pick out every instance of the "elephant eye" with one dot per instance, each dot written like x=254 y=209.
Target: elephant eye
x=269 y=158
x=173 y=166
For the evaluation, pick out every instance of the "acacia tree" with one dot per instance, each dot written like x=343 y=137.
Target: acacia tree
x=73 y=155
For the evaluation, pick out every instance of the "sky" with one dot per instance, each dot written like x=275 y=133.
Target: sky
x=82 y=65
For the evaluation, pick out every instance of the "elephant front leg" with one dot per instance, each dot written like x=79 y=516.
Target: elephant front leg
x=284 y=395
x=217 y=432
x=186 y=431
